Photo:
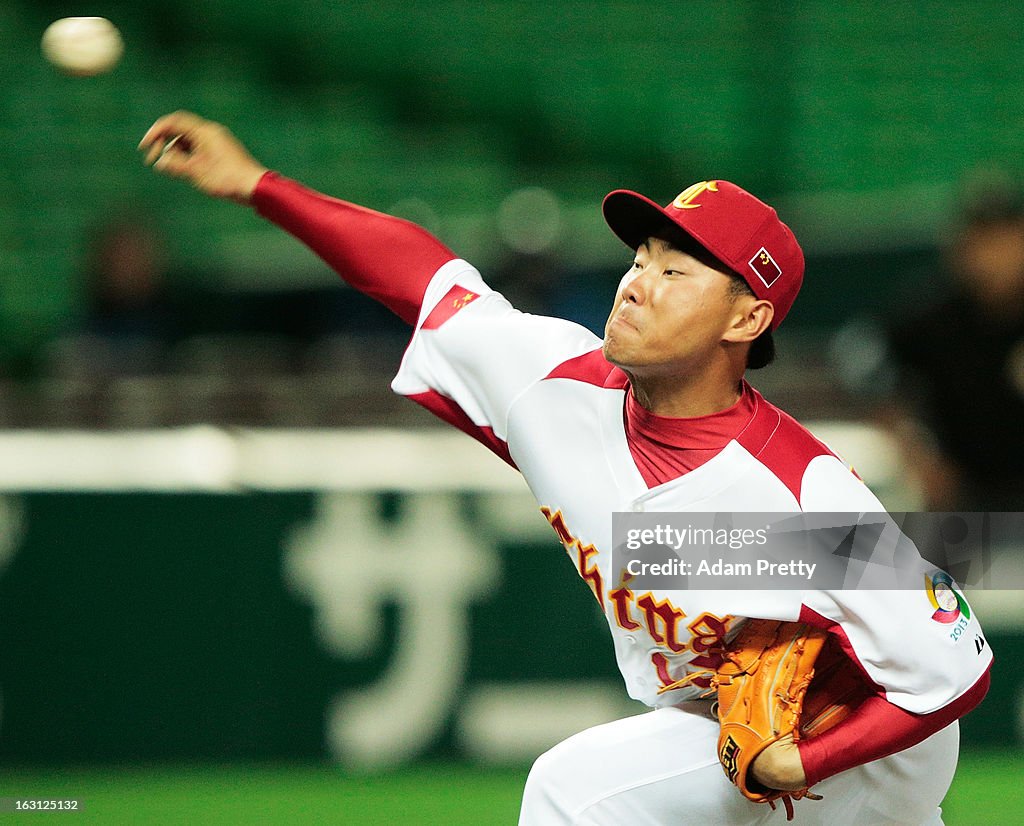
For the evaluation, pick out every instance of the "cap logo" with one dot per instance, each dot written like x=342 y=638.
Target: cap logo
x=685 y=199
x=764 y=267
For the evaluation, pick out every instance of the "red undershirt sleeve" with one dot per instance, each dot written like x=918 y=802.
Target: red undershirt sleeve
x=387 y=258
x=877 y=729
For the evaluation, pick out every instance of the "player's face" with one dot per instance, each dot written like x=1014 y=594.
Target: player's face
x=670 y=314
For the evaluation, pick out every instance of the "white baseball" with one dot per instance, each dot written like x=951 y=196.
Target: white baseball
x=83 y=46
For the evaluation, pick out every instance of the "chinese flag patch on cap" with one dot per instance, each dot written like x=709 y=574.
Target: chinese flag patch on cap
x=765 y=267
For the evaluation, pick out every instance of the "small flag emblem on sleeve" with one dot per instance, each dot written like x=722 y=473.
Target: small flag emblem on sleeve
x=454 y=300
x=764 y=265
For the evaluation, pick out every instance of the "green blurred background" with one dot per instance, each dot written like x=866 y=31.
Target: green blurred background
x=859 y=120
x=166 y=653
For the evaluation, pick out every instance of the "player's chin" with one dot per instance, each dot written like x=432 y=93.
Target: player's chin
x=615 y=352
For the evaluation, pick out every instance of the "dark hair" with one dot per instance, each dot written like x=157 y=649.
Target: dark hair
x=762 y=348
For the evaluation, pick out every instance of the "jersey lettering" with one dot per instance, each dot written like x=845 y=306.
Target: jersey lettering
x=707 y=642
x=660 y=663
x=669 y=616
x=708 y=633
x=621 y=598
x=579 y=553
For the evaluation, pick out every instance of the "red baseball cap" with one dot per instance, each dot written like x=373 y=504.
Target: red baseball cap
x=741 y=231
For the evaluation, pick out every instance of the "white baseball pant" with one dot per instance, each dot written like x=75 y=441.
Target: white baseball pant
x=661 y=769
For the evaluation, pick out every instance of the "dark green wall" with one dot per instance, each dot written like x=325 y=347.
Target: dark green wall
x=139 y=627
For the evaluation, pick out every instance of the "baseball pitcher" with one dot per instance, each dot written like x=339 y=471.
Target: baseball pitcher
x=845 y=702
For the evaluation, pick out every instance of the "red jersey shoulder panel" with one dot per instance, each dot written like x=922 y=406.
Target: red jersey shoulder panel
x=781 y=444
x=591 y=368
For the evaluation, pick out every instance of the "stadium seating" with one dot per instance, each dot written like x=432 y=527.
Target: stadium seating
x=445 y=108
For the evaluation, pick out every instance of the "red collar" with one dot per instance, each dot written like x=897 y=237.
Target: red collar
x=711 y=432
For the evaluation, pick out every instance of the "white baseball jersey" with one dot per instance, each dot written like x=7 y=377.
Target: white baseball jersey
x=540 y=394
x=538 y=391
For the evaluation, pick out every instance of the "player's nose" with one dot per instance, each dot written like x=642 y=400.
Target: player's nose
x=634 y=286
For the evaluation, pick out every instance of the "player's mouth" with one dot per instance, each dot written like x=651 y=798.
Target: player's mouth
x=620 y=319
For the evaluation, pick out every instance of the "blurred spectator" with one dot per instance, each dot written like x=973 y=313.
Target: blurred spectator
x=125 y=272
x=953 y=366
x=130 y=320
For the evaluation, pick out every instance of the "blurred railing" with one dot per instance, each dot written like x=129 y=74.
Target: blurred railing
x=341 y=380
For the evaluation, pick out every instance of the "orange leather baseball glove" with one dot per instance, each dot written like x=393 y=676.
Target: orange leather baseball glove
x=761 y=686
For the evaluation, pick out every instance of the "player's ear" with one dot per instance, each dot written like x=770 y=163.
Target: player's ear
x=752 y=317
